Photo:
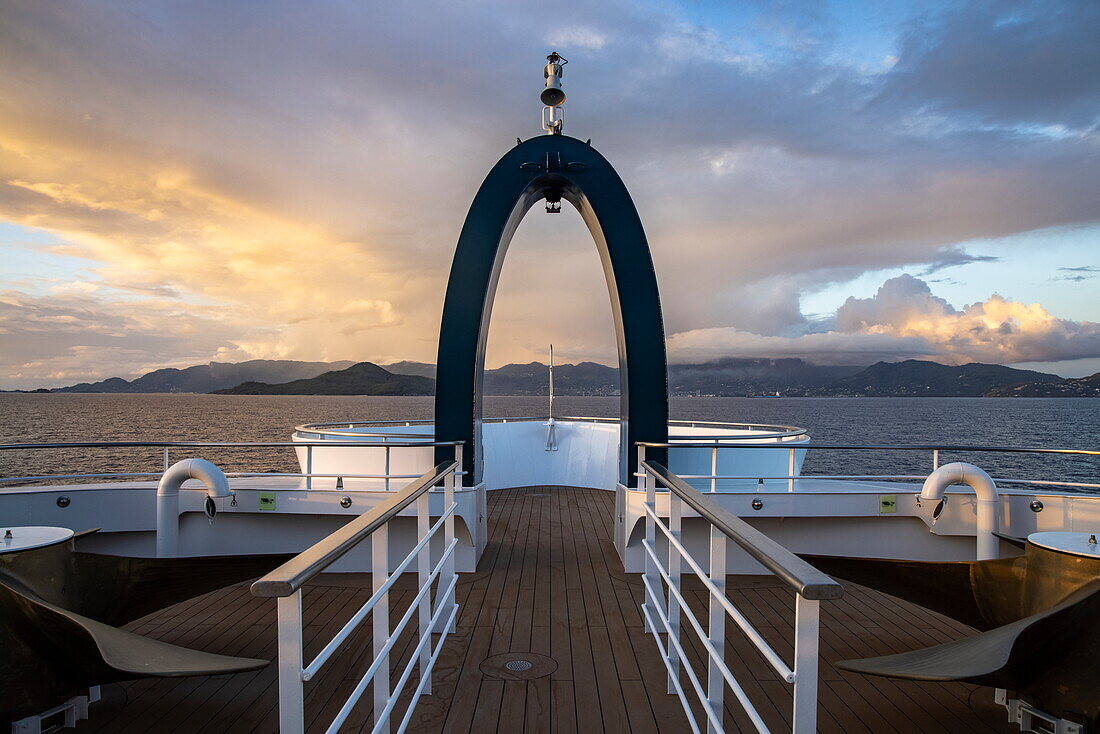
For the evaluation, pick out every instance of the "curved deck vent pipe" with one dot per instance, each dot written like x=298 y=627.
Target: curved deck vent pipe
x=988 y=500
x=168 y=499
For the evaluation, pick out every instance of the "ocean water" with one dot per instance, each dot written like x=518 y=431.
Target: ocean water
x=1037 y=423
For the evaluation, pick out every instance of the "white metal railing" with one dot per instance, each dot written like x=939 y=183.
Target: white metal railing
x=791 y=478
x=664 y=613
x=360 y=429
x=309 y=475
x=434 y=616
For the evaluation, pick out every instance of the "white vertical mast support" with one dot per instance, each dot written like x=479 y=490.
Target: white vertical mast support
x=551 y=382
x=551 y=425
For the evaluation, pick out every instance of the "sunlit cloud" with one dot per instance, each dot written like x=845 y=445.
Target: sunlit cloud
x=904 y=320
x=289 y=180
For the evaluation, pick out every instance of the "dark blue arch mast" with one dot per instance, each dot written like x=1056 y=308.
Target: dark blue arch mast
x=552 y=167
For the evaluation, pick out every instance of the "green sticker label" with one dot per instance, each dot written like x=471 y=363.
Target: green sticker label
x=267 y=500
x=887 y=503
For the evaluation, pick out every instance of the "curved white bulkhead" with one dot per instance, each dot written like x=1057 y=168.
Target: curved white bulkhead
x=516 y=455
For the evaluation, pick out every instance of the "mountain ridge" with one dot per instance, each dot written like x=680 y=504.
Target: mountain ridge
x=205 y=378
x=362 y=378
x=724 y=377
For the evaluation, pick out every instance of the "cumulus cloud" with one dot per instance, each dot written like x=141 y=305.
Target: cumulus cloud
x=904 y=320
x=297 y=175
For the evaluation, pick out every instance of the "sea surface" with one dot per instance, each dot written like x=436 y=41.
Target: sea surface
x=1017 y=422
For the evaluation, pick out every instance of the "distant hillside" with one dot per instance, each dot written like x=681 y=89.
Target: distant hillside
x=1078 y=387
x=420 y=369
x=210 y=377
x=723 y=377
x=931 y=379
x=586 y=378
x=733 y=376
x=364 y=378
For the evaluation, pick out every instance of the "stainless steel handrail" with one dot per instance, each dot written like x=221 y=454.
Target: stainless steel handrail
x=785 y=565
x=767 y=431
x=872 y=447
x=295 y=573
x=213 y=444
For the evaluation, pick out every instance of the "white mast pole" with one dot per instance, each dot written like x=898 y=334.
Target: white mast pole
x=551 y=437
x=551 y=382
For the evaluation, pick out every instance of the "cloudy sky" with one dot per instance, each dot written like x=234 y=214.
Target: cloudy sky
x=841 y=181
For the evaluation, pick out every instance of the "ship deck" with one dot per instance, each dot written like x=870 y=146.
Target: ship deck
x=549 y=583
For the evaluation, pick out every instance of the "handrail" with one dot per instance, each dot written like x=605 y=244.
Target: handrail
x=436 y=618
x=771 y=431
x=785 y=565
x=669 y=610
x=212 y=444
x=872 y=447
x=495 y=419
x=292 y=575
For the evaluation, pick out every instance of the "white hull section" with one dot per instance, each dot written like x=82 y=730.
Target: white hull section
x=126 y=515
x=585 y=453
x=847 y=518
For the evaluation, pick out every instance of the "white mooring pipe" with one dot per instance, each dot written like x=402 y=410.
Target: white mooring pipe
x=988 y=500
x=168 y=499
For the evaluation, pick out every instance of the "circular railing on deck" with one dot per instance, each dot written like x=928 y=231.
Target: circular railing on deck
x=751 y=431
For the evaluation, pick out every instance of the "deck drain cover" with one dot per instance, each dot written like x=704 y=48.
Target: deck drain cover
x=518 y=666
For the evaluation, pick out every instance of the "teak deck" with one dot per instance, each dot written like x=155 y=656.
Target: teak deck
x=550 y=582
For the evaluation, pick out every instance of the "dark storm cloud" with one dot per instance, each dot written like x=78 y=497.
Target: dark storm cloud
x=1007 y=63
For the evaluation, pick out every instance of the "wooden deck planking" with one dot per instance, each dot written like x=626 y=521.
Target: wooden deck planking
x=549 y=582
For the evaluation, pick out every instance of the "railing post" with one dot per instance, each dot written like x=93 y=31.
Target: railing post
x=380 y=562
x=675 y=512
x=935 y=459
x=714 y=468
x=166 y=464
x=806 y=624
x=716 y=631
x=648 y=483
x=387 y=472
x=424 y=571
x=291 y=703
x=309 y=467
x=452 y=479
x=790 y=470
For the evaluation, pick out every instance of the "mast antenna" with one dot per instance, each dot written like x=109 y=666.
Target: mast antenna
x=551 y=382
x=552 y=96
x=551 y=425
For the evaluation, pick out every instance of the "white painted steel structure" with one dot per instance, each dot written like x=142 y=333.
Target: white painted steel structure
x=719 y=471
x=168 y=498
x=986 y=490
x=583 y=451
x=809 y=585
x=285 y=583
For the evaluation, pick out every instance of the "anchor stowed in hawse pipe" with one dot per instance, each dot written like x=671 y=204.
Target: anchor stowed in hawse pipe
x=1038 y=616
